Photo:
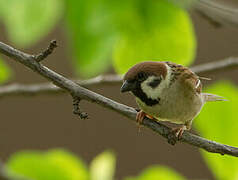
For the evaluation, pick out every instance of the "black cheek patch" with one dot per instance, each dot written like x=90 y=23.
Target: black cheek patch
x=155 y=83
x=142 y=96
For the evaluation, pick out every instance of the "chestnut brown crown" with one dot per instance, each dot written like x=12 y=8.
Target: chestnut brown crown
x=140 y=72
x=147 y=67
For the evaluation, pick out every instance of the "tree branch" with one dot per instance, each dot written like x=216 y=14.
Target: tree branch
x=217 y=13
x=84 y=94
x=50 y=89
x=46 y=52
x=225 y=64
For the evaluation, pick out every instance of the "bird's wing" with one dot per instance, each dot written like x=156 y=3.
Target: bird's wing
x=192 y=81
x=186 y=76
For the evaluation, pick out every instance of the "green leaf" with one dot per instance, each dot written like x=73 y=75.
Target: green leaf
x=218 y=121
x=184 y=3
x=134 y=30
x=158 y=172
x=92 y=34
x=1 y=8
x=27 y=21
x=154 y=30
x=103 y=166
x=5 y=72
x=55 y=164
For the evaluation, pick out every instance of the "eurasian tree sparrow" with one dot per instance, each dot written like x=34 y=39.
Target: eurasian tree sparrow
x=166 y=91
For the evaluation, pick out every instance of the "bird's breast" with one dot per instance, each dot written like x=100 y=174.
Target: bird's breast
x=176 y=107
x=148 y=101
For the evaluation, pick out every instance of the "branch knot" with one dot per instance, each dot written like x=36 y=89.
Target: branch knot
x=76 y=109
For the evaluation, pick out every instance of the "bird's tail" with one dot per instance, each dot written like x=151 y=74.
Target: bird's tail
x=212 y=97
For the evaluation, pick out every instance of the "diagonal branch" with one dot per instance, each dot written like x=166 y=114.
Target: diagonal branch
x=50 y=89
x=217 y=13
x=84 y=94
x=225 y=64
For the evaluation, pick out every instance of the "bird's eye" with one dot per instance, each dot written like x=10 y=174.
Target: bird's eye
x=142 y=76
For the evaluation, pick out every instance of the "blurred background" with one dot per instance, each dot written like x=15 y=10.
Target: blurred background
x=104 y=37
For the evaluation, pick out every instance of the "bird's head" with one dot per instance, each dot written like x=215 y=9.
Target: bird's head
x=146 y=78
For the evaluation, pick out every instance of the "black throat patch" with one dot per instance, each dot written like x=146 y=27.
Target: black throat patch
x=143 y=97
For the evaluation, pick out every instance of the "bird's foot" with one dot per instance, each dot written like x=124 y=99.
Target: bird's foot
x=140 y=117
x=179 y=131
x=176 y=134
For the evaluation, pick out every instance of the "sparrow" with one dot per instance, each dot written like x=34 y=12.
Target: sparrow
x=166 y=91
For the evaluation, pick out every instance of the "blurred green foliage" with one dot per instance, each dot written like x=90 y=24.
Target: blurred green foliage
x=128 y=32
x=90 y=27
x=218 y=121
x=27 y=21
x=157 y=172
x=103 y=166
x=105 y=32
x=5 y=72
x=54 y=164
x=62 y=165
x=155 y=30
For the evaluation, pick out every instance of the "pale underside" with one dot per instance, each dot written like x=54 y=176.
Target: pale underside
x=178 y=104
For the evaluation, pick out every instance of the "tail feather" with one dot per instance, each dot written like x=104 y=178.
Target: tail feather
x=212 y=97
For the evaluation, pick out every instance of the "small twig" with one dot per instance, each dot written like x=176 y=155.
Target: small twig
x=209 y=19
x=76 y=109
x=41 y=56
x=84 y=94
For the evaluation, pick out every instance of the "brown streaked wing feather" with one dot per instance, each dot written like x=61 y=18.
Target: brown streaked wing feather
x=186 y=76
x=192 y=81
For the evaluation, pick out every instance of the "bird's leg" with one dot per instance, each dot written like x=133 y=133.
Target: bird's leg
x=140 y=117
x=178 y=132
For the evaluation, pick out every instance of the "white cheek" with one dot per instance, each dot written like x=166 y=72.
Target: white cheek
x=154 y=93
x=168 y=76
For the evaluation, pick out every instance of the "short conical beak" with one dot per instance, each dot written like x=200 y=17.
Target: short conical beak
x=126 y=86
